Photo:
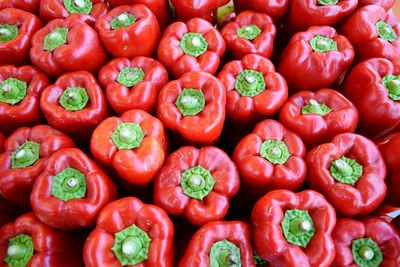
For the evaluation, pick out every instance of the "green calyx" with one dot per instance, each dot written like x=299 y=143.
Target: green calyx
x=8 y=32
x=25 y=155
x=225 y=254
x=392 y=84
x=258 y=260
x=12 y=91
x=327 y=2
x=315 y=108
x=346 y=170
x=250 y=83
x=68 y=184
x=128 y=136
x=190 y=102
x=197 y=182
x=366 y=253
x=122 y=21
x=129 y=77
x=249 y=32
x=275 y=151
x=78 y=6
x=385 y=31
x=74 y=98
x=298 y=227
x=321 y=44
x=193 y=44
x=55 y=39
x=131 y=245
x=19 y=251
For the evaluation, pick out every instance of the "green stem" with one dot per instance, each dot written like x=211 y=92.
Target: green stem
x=190 y=102
x=298 y=227
x=250 y=83
x=315 y=108
x=68 y=184
x=225 y=254
x=55 y=39
x=19 y=251
x=249 y=32
x=128 y=136
x=366 y=253
x=123 y=20
x=346 y=170
x=275 y=151
x=327 y=2
x=392 y=85
x=197 y=182
x=193 y=44
x=78 y=6
x=321 y=44
x=129 y=77
x=74 y=98
x=385 y=31
x=25 y=155
x=12 y=91
x=8 y=32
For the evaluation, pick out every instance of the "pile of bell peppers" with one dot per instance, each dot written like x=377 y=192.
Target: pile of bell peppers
x=190 y=133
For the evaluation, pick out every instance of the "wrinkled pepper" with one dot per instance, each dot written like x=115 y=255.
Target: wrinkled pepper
x=318 y=116
x=193 y=106
x=274 y=8
x=386 y=4
x=20 y=90
x=390 y=214
x=75 y=104
x=194 y=46
x=205 y=9
x=197 y=184
x=315 y=59
x=350 y=172
x=16 y=30
x=294 y=229
x=31 y=6
x=26 y=153
x=129 y=232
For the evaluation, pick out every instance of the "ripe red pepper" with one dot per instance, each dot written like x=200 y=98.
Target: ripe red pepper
x=54 y=47
x=129 y=232
x=255 y=91
x=292 y=229
x=133 y=83
x=16 y=30
x=386 y=4
x=197 y=184
x=389 y=214
x=134 y=145
x=26 y=153
x=75 y=104
x=129 y=31
x=319 y=50
x=206 y=9
x=220 y=243
x=194 y=46
x=193 y=106
x=370 y=242
x=318 y=116
x=20 y=90
x=274 y=8
x=31 y=6
x=350 y=172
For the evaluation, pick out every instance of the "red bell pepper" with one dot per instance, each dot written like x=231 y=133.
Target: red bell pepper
x=386 y=4
x=315 y=59
x=374 y=88
x=194 y=46
x=220 y=243
x=31 y=6
x=71 y=190
x=75 y=104
x=16 y=30
x=134 y=145
x=318 y=116
x=205 y=9
x=54 y=47
x=193 y=106
x=292 y=229
x=20 y=90
x=26 y=153
x=197 y=184
x=250 y=33
x=129 y=31
x=370 y=242
x=129 y=232
x=389 y=214
x=254 y=90
x=274 y=8
x=350 y=172
x=133 y=83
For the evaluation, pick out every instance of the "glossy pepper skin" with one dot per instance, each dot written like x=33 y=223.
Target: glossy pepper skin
x=383 y=247
x=17 y=112
x=139 y=92
x=350 y=172
x=58 y=56
x=269 y=236
x=375 y=100
x=386 y=4
x=129 y=37
x=192 y=46
x=122 y=214
x=19 y=27
x=215 y=234
x=31 y=6
x=197 y=184
x=275 y=8
x=207 y=9
x=58 y=206
x=135 y=154
x=75 y=116
x=16 y=181
x=390 y=214
x=300 y=62
x=318 y=116
x=196 y=123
